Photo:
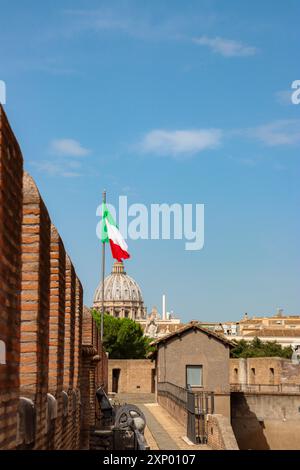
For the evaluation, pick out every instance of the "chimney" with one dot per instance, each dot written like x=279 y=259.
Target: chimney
x=164 y=307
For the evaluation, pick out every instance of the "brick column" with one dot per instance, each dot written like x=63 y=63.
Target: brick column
x=57 y=313
x=35 y=303
x=69 y=350
x=57 y=328
x=87 y=383
x=69 y=324
x=11 y=173
x=78 y=332
x=95 y=341
x=77 y=361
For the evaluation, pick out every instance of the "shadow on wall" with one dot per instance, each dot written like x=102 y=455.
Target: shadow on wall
x=247 y=427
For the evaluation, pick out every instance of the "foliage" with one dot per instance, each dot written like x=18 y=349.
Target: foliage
x=123 y=338
x=258 y=348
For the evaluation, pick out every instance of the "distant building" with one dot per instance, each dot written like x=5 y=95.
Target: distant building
x=265 y=399
x=123 y=299
x=122 y=295
x=265 y=374
x=194 y=357
x=285 y=329
x=157 y=326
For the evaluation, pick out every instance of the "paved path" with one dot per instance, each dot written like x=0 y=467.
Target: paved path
x=160 y=435
x=162 y=431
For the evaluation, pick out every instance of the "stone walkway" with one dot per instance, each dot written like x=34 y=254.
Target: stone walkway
x=162 y=430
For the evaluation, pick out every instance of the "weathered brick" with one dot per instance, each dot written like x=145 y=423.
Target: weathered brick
x=40 y=315
x=11 y=171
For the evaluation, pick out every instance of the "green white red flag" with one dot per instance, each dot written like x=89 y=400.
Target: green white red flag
x=111 y=234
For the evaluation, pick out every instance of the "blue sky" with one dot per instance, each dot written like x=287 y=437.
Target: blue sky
x=96 y=94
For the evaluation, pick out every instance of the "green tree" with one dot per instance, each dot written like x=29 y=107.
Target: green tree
x=123 y=338
x=258 y=348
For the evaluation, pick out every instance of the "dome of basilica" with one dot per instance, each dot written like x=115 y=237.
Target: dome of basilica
x=122 y=294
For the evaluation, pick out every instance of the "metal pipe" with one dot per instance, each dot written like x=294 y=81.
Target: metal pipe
x=103 y=271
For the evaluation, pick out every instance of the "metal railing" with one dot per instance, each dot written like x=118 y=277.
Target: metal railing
x=174 y=392
x=197 y=405
x=265 y=388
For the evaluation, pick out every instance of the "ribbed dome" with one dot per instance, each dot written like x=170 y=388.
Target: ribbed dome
x=118 y=286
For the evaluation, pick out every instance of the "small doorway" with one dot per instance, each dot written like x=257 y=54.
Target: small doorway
x=115 y=380
x=152 y=380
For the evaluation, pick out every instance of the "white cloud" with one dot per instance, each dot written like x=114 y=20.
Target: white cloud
x=106 y=20
x=68 y=148
x=226 y=47
x=50 y=168
x=180 y=143
x=136 y=24
x=281 y=132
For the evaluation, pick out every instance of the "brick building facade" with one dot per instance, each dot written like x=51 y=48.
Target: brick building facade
x=51 y=361
x=267 y=373
x=131 y=376
x=197 y=351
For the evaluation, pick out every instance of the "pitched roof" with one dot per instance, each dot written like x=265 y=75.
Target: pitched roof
x=195 y=326
x=275 y=332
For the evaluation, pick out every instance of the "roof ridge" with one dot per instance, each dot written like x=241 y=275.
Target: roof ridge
x=193 y=324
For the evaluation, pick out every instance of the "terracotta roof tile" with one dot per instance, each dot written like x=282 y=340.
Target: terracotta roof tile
x=275 y=332
x=193 y=325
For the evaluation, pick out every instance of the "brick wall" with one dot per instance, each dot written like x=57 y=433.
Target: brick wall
x=57 y=310
x=175 y=409
x=34 y=341
x=70 y=280
x=219 y=433
x=264 y=370
x=77 y=361
x=103 y=373
x=43 y=364
x=135 y=375
x=57 y=328
x=90 y=360
x=11 y=172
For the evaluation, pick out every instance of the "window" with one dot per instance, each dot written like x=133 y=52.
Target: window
x=194 y=376
x=236 y=373
x=271 y=375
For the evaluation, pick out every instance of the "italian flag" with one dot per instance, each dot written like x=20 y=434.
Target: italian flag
x=111 y=234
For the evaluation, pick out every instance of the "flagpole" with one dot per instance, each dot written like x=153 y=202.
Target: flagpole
x=103 y=273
